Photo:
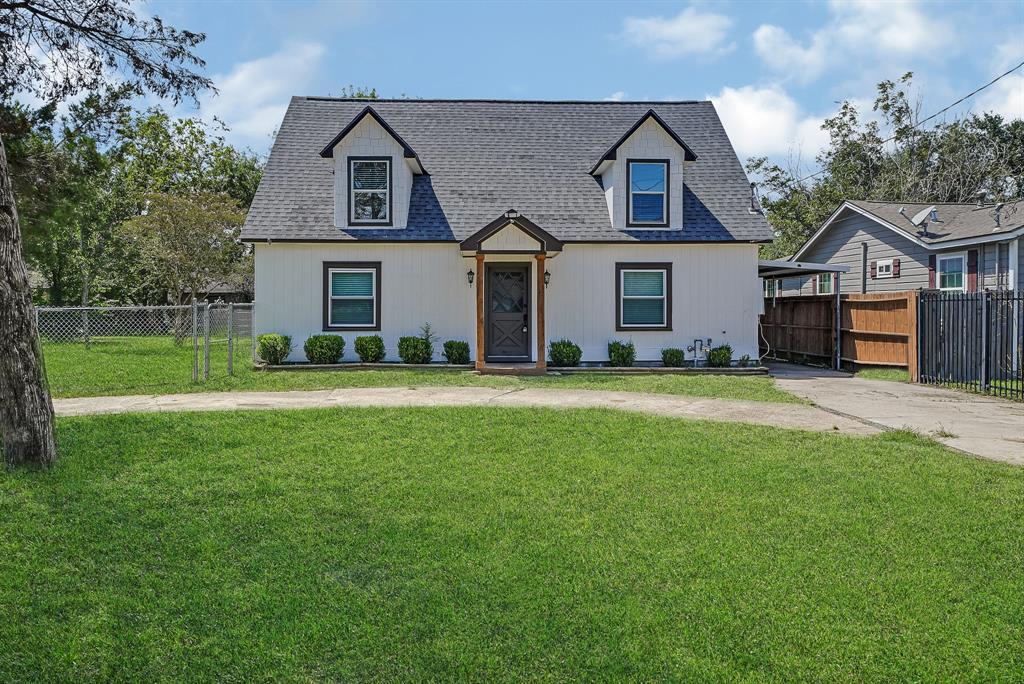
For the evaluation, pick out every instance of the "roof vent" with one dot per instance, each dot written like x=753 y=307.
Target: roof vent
x=981 y=195
x=998 y=214
x=755 y=206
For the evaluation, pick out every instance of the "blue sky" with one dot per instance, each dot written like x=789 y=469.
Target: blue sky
x=773 y=69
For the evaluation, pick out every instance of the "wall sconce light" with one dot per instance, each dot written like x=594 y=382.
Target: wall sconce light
x=547 y=278
x=469 y=277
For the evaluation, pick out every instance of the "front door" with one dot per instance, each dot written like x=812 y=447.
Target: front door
x=507 y=311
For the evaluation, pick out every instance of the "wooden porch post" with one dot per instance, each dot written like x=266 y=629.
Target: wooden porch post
x=542 y=352
x=479 y=311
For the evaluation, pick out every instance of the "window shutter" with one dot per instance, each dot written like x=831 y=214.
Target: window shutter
x=874 y=270
x=895 y=268
x=972 y=270
x=931 y=271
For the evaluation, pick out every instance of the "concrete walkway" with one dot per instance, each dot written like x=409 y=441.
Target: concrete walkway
x=794 y=416
x=984 y=426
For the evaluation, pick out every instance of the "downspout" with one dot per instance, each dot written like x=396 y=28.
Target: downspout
x=839 y=322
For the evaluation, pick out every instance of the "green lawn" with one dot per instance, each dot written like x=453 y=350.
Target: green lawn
x=152 y=365
x=503 y=545
x=883 y=373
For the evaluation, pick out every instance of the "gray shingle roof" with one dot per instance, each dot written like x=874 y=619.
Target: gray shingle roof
x=956 y=221
x=485 y=157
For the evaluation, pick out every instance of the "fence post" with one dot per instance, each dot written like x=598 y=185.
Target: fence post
x=206 y=343
x=195 y=341
x=231 y=340
x=252 y=330
x=839 y=323
x=984 y=341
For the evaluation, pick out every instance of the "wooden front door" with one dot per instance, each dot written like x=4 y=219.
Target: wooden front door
x=507 y=313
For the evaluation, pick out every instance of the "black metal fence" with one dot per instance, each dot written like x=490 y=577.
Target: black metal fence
x=973 y=341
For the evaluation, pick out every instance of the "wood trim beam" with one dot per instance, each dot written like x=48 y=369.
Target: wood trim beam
x=479 y=311
x=542 y=355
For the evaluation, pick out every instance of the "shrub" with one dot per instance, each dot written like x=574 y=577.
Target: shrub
x=456 y=351
x=745 y=361
x=324 y=348
x=621 y=354
x=564 y=353
x=720 y=356
x=370 y=348
x=672 y=358
x=419 y=349
x=274 y=348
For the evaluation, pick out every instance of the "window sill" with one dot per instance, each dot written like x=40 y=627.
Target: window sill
x=643 y=328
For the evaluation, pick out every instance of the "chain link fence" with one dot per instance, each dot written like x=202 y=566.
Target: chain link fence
x=136 y=349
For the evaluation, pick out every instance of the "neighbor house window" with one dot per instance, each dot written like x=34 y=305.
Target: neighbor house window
x=648 y=192
x=883 y=268
x=644 y=296
x=824 y=284
x=369 y=190
x=951 y=272
x=351 y=296
x=771 y=287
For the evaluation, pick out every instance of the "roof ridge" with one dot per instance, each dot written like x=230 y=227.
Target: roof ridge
x=940 y=204
x=327 y=98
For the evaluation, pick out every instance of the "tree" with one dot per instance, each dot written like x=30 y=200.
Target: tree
x=186 y=242
x=56 y=49
x=950 y=162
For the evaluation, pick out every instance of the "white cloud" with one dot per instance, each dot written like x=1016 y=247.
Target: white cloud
x=689 y=32
x=1006 y=96
x=858 y=30
x=254 y=95
x=617 y=96
x=768 y=122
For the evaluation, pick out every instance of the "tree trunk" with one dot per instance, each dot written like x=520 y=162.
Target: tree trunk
x=26 y=411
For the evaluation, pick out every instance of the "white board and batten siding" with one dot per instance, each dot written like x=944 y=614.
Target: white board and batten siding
x=715 y=294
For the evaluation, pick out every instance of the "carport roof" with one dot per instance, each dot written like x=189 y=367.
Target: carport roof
x=783 y=269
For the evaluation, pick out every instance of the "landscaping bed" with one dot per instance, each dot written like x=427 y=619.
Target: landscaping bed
x=505 y=545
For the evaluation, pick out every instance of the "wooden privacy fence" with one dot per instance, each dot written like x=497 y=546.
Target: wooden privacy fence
x=875 y=329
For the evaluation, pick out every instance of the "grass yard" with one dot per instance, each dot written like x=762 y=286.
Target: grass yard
x=153 y=365
x=505 y=544
x=884 y=373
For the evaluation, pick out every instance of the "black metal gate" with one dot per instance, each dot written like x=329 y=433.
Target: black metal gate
x=973 y=341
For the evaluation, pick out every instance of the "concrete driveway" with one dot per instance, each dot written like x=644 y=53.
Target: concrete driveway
x=984 y=426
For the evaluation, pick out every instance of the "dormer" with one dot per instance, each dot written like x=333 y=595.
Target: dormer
x=642 y=176
x=373 y=173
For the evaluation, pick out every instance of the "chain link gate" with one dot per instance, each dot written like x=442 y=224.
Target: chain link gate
x=124 y=349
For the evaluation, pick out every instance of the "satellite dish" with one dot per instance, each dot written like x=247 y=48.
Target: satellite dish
x=920 y=216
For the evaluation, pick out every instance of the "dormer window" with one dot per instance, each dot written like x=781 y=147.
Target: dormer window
x=648 y=182
x=369 y=190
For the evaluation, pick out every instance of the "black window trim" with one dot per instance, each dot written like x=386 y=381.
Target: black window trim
x=621 y=266
x=329 y=266
x=630 y=223
x=352 y=221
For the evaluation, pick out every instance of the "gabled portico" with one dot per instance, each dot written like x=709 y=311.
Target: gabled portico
x=506 y=251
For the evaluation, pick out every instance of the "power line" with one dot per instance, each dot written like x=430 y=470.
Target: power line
x=928 y=118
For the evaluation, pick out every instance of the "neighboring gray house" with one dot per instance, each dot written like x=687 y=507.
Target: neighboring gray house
x=956 y=247
x=507 y=224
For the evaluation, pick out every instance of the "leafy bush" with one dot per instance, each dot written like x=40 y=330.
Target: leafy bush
x=564 y=353
x=370 y=348
x=419 y=349
x=274 y=348
x=720 y=357
x=456 y=351
x=672 y=358
x=745 y=361
x=324 y=348
x=621 y=354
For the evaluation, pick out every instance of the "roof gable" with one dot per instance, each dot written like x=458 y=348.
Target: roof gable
x=612 y=151
x=545 y=241
x=328 y=151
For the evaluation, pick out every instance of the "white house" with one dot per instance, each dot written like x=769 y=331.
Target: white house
x=507 y=224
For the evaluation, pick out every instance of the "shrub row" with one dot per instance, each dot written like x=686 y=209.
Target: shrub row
x=566 y=353
x=328 y=349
